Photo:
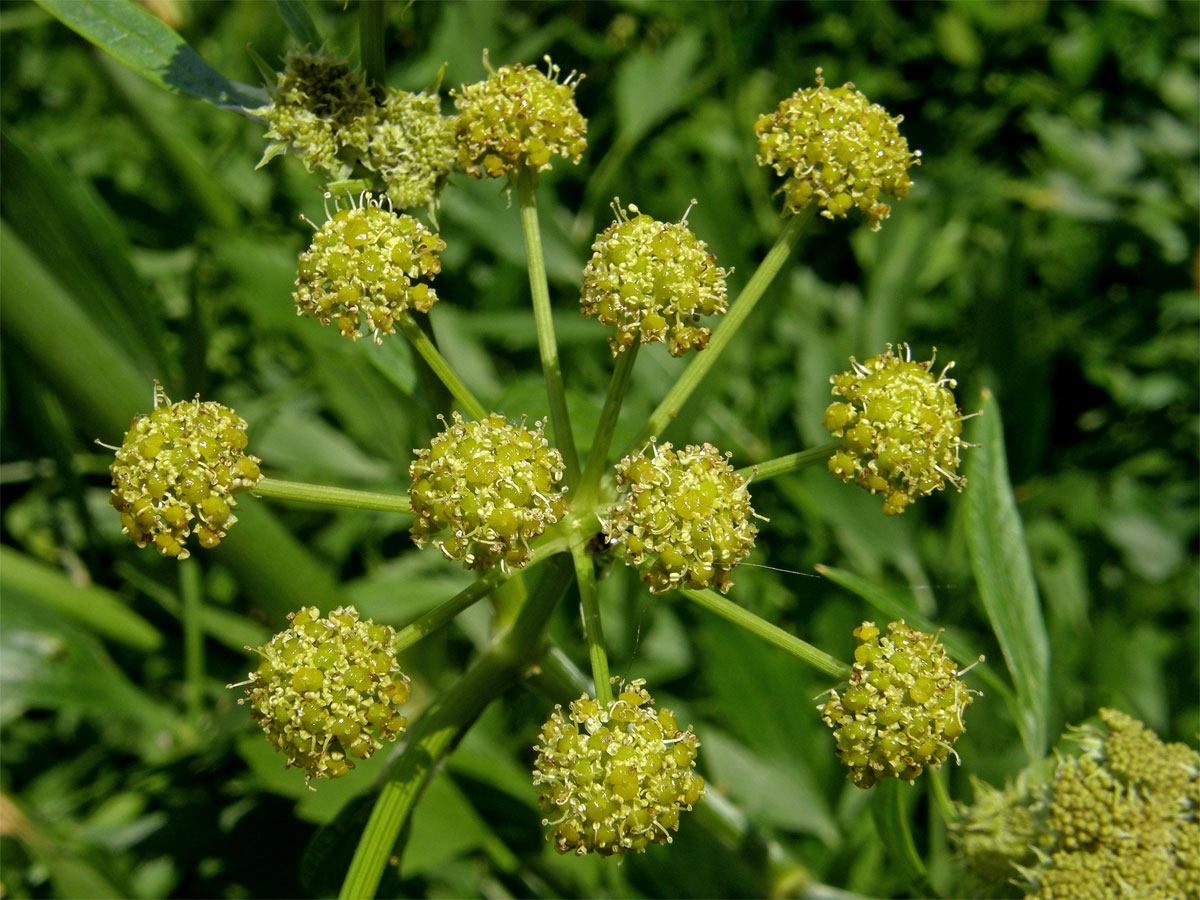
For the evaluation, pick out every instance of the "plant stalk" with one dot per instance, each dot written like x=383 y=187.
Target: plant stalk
x=782 y=465
x=443 y=724
x=370 y=37
x=192 y=591
x=539 y=290
x=585 y=576
x=598 y=455
x=428 y=352
x=773 y=634
x=324 y=495
x=738 y=312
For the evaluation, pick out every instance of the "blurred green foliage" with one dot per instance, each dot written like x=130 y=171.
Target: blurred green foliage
x=1049 y=246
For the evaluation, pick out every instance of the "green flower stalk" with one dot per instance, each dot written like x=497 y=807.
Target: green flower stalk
x=322 y=111
x=688 y=506
x=518 y=116
x=363 y=270
x=903 y=708
x=326 y=689
x=413 y=148
x=653 y=280
x=1119 y=819
x=615 y=777
x=900 y=427
x=175 y=473
x=492 y=485
x=836 y=149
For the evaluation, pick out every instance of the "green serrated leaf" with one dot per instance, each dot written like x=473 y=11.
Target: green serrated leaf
x=1004 y=575
x=134 y=37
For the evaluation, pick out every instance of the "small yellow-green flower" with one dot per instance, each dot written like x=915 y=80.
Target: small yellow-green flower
x=900 y=428
x=836 y=149
x=175 y=473
x=322 y=111
x=492 y=485
x=413 y=148
x=903 y=708
x=326 y=689
x=615 y=778
x=363 y=269
x=518 y=116
x=653 y=280
x=688 y=506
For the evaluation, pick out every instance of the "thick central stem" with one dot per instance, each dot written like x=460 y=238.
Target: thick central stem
x=539 y=289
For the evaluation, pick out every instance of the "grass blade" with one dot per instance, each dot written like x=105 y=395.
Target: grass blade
x=1004 y=575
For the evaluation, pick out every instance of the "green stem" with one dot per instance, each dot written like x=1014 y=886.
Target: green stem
x=443 y=724
x=773 y=634
x=370 y=38
x=598 y=455
x=585 y=575
x=547 y=346
x=424 y=346
x=782 y=465
x=325 y=495
x=739 y=310
x=192 y=592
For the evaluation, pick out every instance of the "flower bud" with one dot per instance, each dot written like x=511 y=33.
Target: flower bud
x=836 y=149
x=492 y=484
x=518 y=116
x=903 y=707
x=175 y=472
x=653 y=280
x=1117 y=819
x=900 y=428
x=691 y=508
x=362 y=269
x=321 y=110
x=615 y=778
x=326 y=689
x=413 y=148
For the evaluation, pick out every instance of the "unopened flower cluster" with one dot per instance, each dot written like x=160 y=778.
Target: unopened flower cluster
x=518 y=115
x=326 y=690
x=1120 y=819
x=363 y=267
x=900 y=428
x=903 y=708
x=615 y=778
x=688 y=506
x=492 y=484
x=653 y=280
x=836 y=149
x=323 y=111
x=175 y=472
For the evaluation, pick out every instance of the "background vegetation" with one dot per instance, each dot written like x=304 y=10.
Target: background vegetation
x=1049 y=247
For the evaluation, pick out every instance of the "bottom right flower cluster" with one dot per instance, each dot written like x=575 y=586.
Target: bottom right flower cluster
x=1120 y=819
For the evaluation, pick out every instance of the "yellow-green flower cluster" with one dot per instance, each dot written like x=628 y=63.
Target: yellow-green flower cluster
x=653 y=280
x=326 y=689
x=518 y=116
x=1118 y=820
x=413 y=148
x=836 y=149
x=615 y=778
x=321 y=110
x=175 y=473
x=900 y=428
x=492 y=484
x=903 y=707
x=688 y=506
x=362 y=270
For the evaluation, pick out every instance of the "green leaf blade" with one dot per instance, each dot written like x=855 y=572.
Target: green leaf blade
x=1004 y=575
x=145 y=44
